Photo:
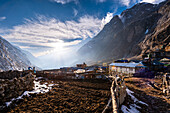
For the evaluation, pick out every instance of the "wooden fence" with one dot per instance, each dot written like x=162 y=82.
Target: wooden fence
x=166 y=84
x=118 y=93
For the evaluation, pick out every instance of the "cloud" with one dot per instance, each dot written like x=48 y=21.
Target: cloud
x=152 y=1
x=50 y=33
x=2 y=18
x=32 y=45
x=101 y=1
x=64 y=1
x=125 y=2
x=75 y=12
x=107 y=18
x=71 y=40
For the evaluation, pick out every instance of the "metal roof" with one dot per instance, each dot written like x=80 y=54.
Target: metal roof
x=126 y=64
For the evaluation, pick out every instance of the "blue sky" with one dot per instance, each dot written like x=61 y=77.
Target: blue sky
x=45 y=26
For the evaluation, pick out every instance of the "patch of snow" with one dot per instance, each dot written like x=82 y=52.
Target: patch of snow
x=50 y=85
x=143 y=103
x=146 y=31
x=38 y=88
x=90 y=47
x=131 y=110
x=148 y=84
x=122 y=18
x=124 y=109
x=45 y=83
x=129 y=92
x=37 y=78
x=8 y=103
x=134 y=105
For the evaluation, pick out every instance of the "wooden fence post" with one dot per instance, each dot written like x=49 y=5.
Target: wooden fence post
x=114 y=103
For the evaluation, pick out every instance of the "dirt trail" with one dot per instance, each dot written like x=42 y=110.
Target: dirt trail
x=145 y=91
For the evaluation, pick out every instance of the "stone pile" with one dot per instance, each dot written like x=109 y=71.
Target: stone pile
x=12 y=88
x=13 y=74
x=10 y=74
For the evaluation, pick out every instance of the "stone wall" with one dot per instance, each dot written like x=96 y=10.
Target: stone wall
x=12 y=74
x=12 y=88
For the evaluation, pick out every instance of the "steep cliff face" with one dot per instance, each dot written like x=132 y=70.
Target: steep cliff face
x=131 y=34
x=11 y=58
x=160 y=35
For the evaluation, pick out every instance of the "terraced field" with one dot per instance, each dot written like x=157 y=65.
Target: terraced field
x=68 y=96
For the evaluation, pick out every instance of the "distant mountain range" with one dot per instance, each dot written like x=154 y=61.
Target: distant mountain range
x=11 y=57
x=140 y=29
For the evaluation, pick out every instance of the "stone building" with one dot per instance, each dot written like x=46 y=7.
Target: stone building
x=126 y=68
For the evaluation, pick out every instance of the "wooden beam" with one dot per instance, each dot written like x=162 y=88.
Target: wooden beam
x=107 y=106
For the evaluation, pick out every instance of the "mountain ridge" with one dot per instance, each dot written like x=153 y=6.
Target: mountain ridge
x=11 y=57
x=129 y=34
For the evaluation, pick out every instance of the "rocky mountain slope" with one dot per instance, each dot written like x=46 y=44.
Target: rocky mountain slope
x=137 y=30
x=12 y=58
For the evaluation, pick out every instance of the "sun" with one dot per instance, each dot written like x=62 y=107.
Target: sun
x=59 y=46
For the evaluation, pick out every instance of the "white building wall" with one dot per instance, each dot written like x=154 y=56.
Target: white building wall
x=125 y=70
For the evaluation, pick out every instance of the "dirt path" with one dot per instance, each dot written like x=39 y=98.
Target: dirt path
x=69 y=96
x=145 y=91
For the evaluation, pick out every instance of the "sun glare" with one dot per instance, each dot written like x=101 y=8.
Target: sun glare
x=59 y=46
